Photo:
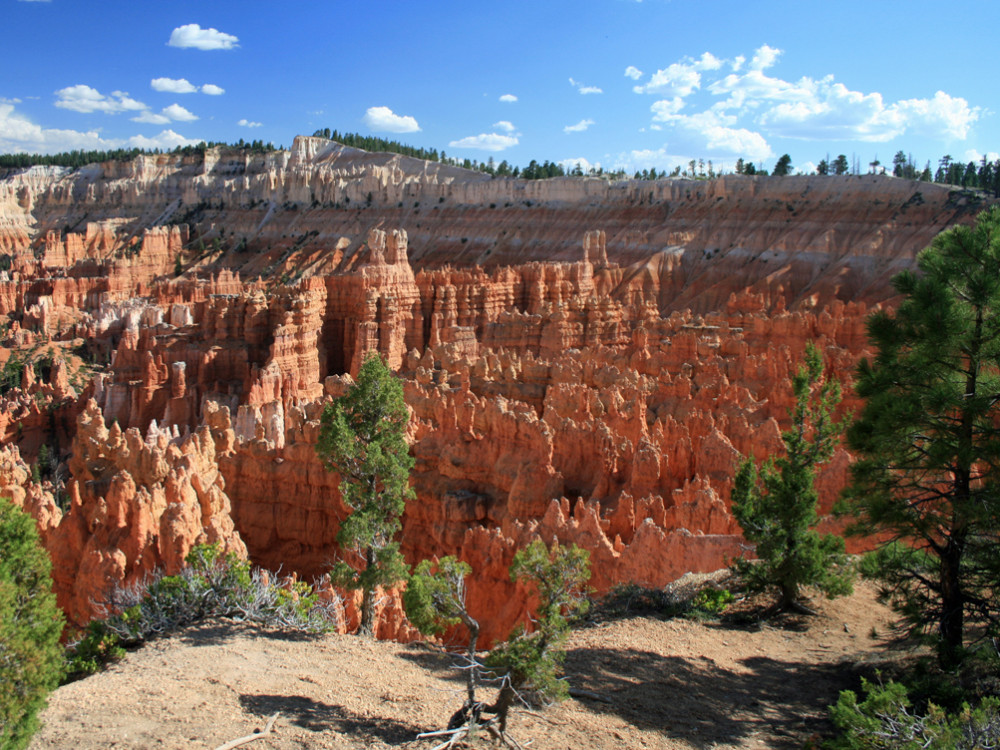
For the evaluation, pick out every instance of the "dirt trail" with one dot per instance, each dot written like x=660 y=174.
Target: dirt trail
x=671 y=684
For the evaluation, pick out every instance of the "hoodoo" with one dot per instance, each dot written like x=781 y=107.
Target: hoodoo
x=584 y=360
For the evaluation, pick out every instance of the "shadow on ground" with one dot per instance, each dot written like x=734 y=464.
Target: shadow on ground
x=219 y=630
x=317 y=716
x=444 y=665
x=779 y=702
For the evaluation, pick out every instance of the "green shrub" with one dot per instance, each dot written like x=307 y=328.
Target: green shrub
x=529 y=664
x=210 y=585
x=887 y=720
x=710 y=602
x=30 y=625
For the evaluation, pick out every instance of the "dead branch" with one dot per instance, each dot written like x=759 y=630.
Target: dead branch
x=251 y=737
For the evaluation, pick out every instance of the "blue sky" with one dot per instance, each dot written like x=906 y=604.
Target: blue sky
x=616 y=83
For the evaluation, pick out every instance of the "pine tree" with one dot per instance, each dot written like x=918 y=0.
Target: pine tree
x=927 y=445
x=362 y=439
x=434 y=600
x=776 y=505
x=783 y=166
x=30 y=624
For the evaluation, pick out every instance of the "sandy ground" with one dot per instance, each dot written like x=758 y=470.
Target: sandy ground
x=670 y=684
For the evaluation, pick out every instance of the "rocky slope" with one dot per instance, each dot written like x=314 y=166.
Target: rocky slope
x=583 y=360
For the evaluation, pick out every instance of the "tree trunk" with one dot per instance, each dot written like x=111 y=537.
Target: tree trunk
x=472 y=678
x=952 y=622
x=367 y=626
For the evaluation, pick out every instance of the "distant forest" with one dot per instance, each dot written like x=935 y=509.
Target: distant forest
x=77 y=159
x=983 y=175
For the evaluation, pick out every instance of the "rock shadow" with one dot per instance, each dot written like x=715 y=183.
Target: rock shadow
x=317 y=716
x=701 y=703
x=217 y=631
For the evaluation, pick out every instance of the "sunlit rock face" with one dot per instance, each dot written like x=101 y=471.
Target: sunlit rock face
x=583 y=361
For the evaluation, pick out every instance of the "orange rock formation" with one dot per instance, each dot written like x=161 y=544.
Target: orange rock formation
x=584 y=361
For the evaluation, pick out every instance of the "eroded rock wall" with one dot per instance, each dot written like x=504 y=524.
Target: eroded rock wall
x=583 y=360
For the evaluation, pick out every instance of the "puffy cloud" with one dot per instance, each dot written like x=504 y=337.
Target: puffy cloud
x=82 y=98
x=173 y=85
x=193 y=36
x=633 y=72
x=384 y=120
x=486 y=142
x=18 y=133
x=944 y=115
x=212 y=90
x=579 y=127
x=807 y=168
x=570 y=164
x=973 y=155
x=245 y=123
x=149 y=116
x=509 y=98
x=505 y=125
x=678 y=79
x=764 y=57
x=665 y=109
x=167 y=139
x=713 y=131
x=585 y=89
x=175 y=112
x=827 y=110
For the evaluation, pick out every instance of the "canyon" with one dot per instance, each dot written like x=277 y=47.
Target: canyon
x=584 y=361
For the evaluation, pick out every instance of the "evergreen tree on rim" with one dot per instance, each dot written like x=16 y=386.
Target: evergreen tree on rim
x=776 y=505
x=362 y=438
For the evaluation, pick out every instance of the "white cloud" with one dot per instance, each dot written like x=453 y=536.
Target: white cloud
x=708 y=61
x=486 y=142
x=665 y=109
x=973 y=155
x=82 y=98
x=713 y=131
x=807 y=168
x=149 y=116
x=585 y=89
x=384 y=120
x=508 y=98
x=827 y=110
x=173 y=85
x=245 y=123
x=212 y=90
x=579 y=127
x=944 y=115
x=173 y=113
x=193 y=36
x=505 y=125
x=167 y=139
x=18 y=133
x=633 y=72
x=177 y=113
x=764 y=57
x=570 y=164
x=678 y=79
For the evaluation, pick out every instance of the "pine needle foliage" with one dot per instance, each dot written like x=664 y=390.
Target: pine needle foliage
x=30 y=624
x=776 y=504
x=928 y=449
x=362 y=438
